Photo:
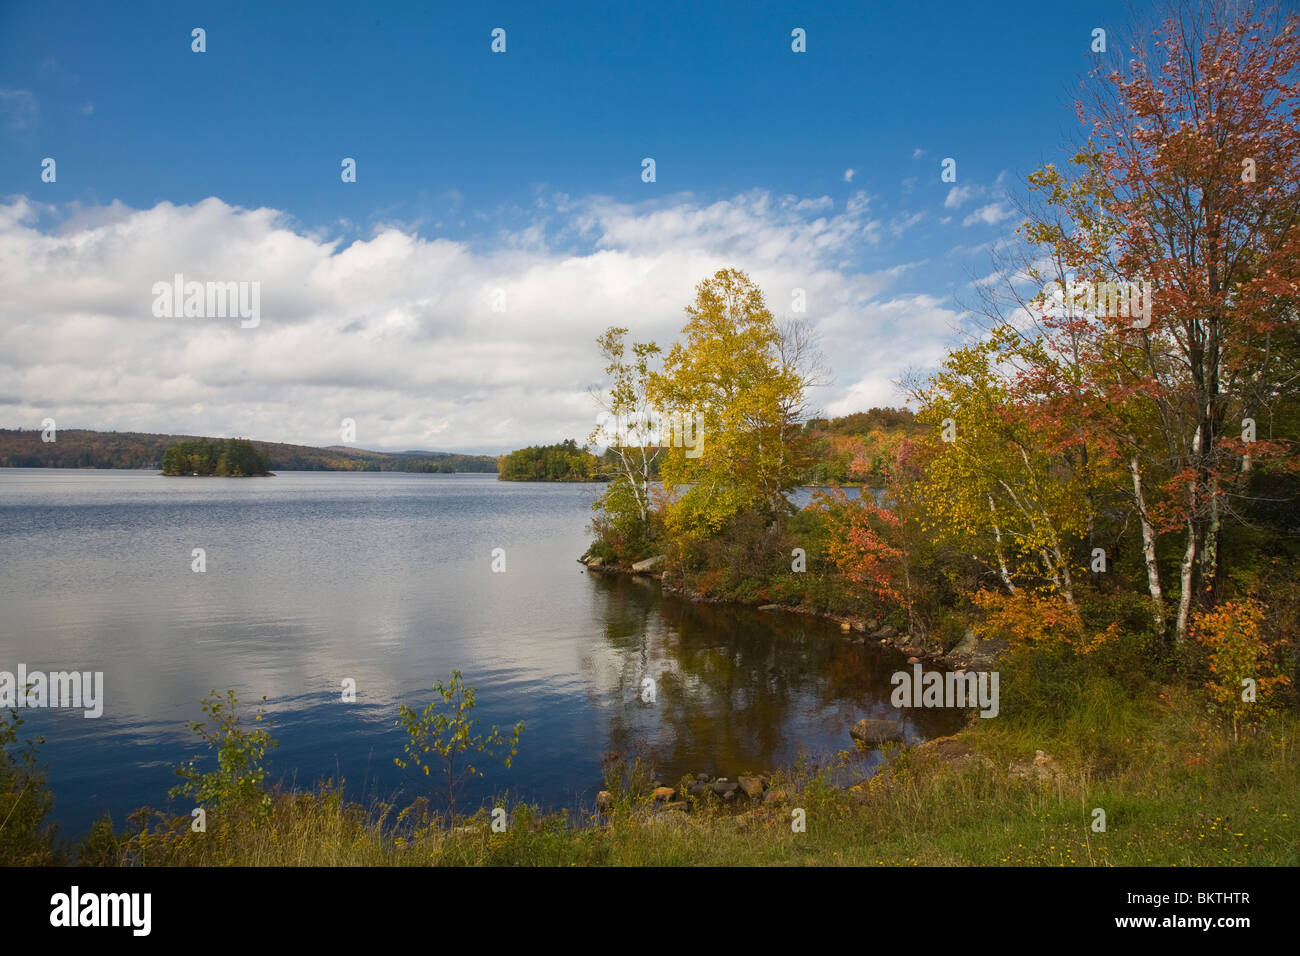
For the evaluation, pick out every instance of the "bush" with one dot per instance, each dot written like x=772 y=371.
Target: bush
x=25 y=800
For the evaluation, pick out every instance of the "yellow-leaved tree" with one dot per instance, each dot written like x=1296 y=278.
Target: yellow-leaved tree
x=740 y=381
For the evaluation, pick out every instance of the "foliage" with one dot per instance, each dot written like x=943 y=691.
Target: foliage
x=25 y=800
x=233 y=458
x=235 y=788
x=562 y=462
x=858 y=544
x=731 y=372
x=1237 y=653
x=450 y=736
x=1026 y=619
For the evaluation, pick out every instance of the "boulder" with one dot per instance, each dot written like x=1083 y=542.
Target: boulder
x=664 y=794
x=1043 y=767
x=595 y=562
x=649 y=564
x=753 y=786
x=722 y=786
x=702 y=778
x=769 y=607
x=698 y=790
x=887 y=632
x=872 y=733
x=774 y=797
x=965 y=647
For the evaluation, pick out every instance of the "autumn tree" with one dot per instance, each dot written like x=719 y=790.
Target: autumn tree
x=1188 y=181
x=743 y=381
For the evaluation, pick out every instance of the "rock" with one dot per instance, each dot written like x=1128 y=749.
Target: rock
x=1043 y=767
x=595 y=562
x=859 y=625
x=876 y=732
x=871 y=625
x=774 y=797
x=914 y=660
x=753 y=786
x=604 y=800
x=702 y=777
x=649 y=564
x=698 y=790
x=965 y=647
x=665 y=794
x=722 y=786
x=769 y=607
x=675 y=805
x=729 y=795
x=887 y=632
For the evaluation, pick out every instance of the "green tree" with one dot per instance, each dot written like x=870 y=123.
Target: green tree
x=449 y=734
x=236 y=787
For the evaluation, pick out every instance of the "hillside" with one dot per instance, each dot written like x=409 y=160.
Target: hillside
x=81 y=448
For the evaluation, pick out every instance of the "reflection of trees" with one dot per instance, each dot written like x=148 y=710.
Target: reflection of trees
x=737 y=689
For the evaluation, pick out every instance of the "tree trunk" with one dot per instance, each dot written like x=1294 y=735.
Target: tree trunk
x=1148 y=548
x=997 y=537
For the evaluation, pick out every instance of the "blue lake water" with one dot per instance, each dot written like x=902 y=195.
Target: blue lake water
x=386 y=579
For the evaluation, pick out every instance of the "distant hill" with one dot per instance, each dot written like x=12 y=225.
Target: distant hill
x=80 y=448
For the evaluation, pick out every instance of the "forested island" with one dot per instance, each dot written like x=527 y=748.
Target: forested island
x=220 y=457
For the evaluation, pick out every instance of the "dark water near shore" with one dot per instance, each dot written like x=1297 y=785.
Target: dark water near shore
x=387 y=579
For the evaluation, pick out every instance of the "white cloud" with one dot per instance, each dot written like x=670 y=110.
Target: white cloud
x=989 y=215
x=958 y=195
x=918 y=153
x=849 y=174
x=397 y=331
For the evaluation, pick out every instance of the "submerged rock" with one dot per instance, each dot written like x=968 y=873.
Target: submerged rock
x=875 y=732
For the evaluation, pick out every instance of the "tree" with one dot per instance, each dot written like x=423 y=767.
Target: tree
x=628 y=425
x=1189 y=180
x=451 y=736
x=742 y=382
x=236 y=786
x=994 y=482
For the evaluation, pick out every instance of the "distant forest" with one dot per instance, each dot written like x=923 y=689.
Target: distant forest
x=852 y=449
x=80 y=448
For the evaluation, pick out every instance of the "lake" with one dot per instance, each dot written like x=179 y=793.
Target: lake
x=386 y=579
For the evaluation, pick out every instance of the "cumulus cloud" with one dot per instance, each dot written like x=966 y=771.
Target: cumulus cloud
x=398 y=330
x=849 y=174
x=989 y=215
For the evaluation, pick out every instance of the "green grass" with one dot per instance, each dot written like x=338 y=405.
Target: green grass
x=1175 y=788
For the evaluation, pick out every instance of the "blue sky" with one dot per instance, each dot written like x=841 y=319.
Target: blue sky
x=517 y=168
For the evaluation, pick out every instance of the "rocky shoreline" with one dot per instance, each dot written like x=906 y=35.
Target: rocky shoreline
x=969 y=653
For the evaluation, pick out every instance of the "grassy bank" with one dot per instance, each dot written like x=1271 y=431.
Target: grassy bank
x=1176 y=791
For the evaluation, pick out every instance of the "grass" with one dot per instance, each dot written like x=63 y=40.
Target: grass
x=1175 y=788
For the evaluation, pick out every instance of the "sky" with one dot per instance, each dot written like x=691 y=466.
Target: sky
x=450 y=297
